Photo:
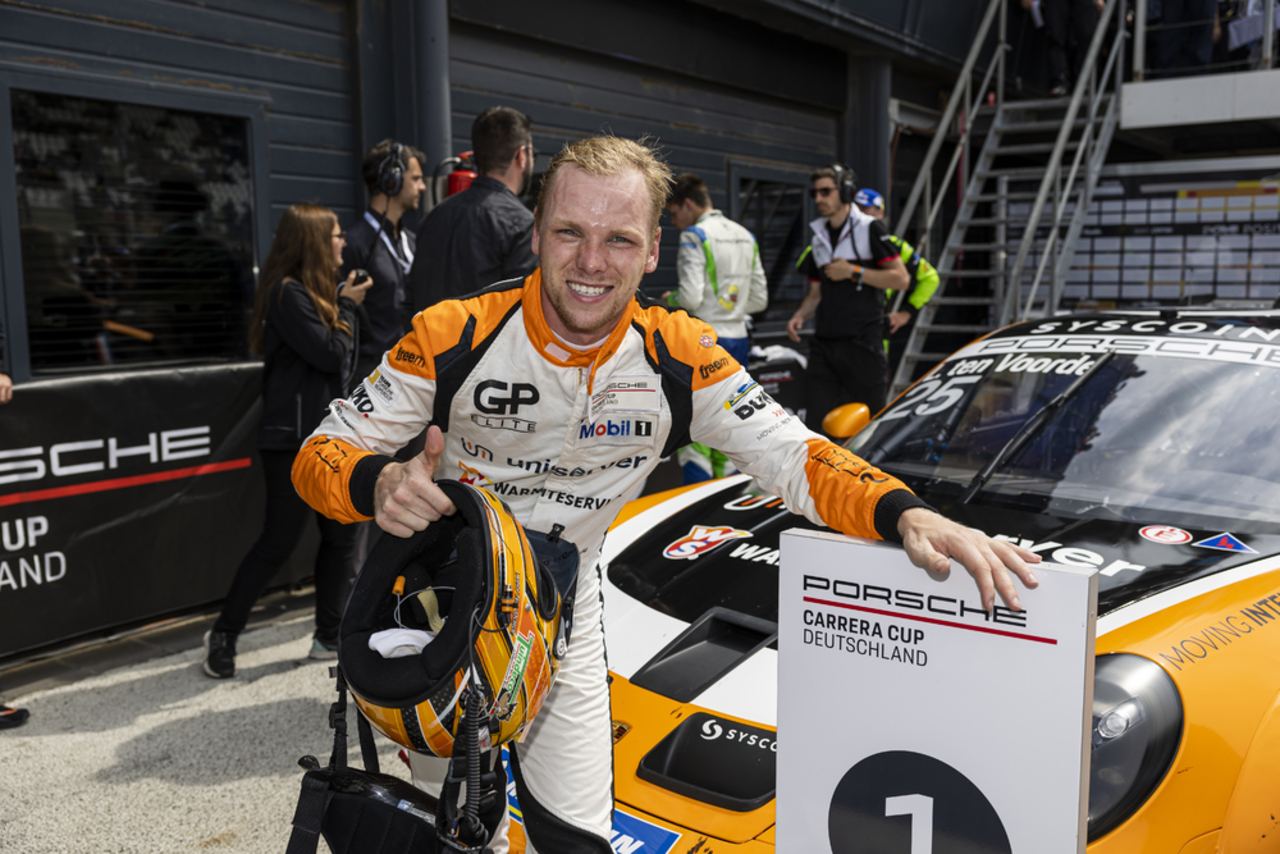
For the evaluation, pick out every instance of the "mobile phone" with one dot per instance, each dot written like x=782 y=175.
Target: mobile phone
x=361 y=275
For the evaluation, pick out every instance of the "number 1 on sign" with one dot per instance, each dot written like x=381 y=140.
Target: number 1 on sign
x=920 y=808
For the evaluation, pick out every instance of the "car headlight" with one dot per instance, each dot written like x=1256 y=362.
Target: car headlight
x=1137 y=725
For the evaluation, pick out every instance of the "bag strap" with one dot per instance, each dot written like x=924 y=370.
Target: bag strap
x=338 y=721
x=309 y=816
x=368 y=750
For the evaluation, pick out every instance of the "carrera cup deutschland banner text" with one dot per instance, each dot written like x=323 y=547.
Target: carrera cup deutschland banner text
x=125 y=496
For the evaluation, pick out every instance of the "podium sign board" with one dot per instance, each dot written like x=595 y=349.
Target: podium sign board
x=910 y=721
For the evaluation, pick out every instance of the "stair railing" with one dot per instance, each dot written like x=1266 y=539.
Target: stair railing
x=963 y=83
x=1012 y=305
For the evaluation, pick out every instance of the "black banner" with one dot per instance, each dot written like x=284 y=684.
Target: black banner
x=126 y=496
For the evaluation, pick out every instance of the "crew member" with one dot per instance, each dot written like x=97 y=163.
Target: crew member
x=483 y=234
x=924 y=277
x=376 y=243
x=721 y=282
x=850 y=262
x=721 y=278
x=560 y=393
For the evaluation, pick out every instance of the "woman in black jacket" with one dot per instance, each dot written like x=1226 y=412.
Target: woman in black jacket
x=304 y=326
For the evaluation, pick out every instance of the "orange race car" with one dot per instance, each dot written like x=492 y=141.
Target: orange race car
x=1141 y=444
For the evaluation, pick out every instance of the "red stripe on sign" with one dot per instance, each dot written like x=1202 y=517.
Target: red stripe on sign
x=933 y=621
x=122 y=482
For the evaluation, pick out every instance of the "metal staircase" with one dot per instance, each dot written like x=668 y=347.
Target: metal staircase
x=1025 y=197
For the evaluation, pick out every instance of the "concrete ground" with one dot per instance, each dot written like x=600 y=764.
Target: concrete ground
x=132 y=748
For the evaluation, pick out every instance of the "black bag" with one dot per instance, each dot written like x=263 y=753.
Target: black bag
x=364 y=811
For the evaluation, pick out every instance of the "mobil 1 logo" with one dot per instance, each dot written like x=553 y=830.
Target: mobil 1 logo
x=900 y=802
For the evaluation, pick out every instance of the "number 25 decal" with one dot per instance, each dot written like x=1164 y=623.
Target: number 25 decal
x=933 y=396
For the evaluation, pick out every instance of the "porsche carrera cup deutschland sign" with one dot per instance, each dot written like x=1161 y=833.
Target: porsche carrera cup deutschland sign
x=911 y=720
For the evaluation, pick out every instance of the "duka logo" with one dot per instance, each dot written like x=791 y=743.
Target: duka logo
x=701 y=539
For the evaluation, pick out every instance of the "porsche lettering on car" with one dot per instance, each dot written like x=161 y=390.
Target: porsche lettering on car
x=1140 y=444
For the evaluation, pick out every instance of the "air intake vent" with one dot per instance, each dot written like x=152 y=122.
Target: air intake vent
x=719 y=641
x=719 y=762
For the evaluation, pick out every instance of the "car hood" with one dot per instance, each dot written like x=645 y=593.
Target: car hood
x=691 y=601
x=722 y=551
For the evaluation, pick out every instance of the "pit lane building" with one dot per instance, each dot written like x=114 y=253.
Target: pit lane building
x=144 y=143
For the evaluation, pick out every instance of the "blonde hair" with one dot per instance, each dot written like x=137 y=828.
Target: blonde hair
x=611 y=155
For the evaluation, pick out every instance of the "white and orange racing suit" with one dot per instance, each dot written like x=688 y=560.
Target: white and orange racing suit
x=566 y=437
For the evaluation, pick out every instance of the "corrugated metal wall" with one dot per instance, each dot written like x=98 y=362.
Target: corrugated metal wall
x=703 y=127
x=295 y=53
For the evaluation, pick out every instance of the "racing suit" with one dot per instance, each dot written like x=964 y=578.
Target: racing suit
x=721 y=278
x=565 y=437
x=721 y=281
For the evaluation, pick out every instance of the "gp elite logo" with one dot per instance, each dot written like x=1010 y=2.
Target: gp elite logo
x=494 y=397
x=494 y=422
x=500 y=402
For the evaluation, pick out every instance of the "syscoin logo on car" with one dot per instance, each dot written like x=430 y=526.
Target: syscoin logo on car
x=711 y=731
x=701 y=539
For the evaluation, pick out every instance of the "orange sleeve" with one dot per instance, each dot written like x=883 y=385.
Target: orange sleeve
x=853 y=496
x=322 y=473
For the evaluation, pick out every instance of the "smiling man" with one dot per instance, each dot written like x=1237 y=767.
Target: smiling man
x=560 y=393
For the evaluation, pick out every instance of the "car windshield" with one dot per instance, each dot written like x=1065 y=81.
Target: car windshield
x=1145 y=438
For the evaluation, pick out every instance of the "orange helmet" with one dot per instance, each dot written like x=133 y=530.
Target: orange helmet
x=501 y=628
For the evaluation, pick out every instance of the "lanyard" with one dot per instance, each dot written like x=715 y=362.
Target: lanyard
x=407 y=251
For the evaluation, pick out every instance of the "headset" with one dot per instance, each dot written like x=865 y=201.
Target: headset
x=846 y=182
x=391 y=171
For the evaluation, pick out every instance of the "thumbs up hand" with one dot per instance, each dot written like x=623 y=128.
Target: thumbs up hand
x=406 y=499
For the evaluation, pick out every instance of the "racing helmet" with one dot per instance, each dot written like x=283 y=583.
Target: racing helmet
x=471 y=585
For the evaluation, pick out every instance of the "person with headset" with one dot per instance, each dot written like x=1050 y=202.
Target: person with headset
x=376 y=243
x=850 y=262
x=483 y=234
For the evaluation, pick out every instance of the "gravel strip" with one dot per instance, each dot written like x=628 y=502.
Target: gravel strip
x=157 y=757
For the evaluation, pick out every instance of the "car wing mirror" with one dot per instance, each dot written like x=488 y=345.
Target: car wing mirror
x=845 y=421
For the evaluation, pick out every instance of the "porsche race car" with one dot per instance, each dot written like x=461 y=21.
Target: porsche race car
x=1139 y=444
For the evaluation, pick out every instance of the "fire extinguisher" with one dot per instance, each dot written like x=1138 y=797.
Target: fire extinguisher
x=462 y=173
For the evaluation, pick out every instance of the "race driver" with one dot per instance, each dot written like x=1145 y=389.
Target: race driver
x=560 y=393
